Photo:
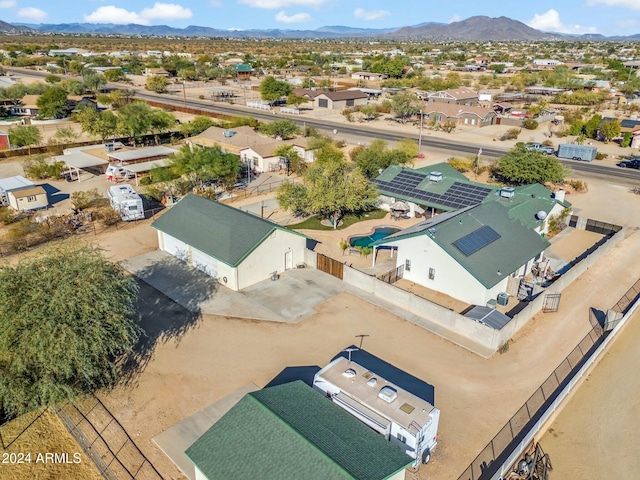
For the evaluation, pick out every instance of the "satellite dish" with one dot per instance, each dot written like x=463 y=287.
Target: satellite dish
x=541 y=215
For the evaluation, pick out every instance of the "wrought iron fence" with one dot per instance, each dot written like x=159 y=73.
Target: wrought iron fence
x=392 y=276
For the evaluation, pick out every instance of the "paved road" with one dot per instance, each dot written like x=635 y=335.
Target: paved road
x=366 y=133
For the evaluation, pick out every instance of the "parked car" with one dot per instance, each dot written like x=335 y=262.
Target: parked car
x=630 y=163
x=538 y=147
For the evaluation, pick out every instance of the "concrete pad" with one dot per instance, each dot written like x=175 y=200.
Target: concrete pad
x=174 y=441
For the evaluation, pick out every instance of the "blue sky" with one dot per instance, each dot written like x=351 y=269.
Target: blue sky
x=608 y=17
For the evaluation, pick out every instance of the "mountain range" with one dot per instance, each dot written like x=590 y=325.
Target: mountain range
x=477 y=28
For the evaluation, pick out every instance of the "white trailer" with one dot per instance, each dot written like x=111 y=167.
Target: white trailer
x=126 y=202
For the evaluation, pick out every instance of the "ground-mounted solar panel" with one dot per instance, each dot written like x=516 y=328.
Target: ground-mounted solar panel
x=476 y=240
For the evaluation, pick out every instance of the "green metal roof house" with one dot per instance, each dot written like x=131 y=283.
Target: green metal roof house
x=472 y=253
x=290 y=432
x=236 y=247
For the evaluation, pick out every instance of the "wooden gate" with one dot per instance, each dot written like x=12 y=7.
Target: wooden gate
x=330 y=266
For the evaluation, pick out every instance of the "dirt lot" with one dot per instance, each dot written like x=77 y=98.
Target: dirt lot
x=596 y=434
x=46 y=435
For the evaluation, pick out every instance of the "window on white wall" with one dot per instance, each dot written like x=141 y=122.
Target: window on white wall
x=402 y=438
x=407 y=265
x=432 y=274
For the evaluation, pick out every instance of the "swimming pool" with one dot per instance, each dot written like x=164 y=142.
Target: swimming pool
x=366 y=240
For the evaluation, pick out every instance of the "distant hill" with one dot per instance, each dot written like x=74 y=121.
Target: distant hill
x=479 y=28
x=9 y=28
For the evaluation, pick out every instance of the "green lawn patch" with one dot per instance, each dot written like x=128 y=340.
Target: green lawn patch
x=313 y=223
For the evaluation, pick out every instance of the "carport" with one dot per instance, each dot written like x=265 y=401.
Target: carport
x=74 y=162
x=144 y=167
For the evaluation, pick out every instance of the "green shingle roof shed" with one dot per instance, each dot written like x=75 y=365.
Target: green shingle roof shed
x=221 y=231
x=290 y=431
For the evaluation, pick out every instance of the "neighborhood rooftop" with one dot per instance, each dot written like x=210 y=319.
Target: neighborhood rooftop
x=131 y=155
x=291 y=431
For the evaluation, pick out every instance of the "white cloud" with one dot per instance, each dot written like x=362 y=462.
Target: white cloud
x=164 y=11
x=111 y=14
x=455 y=18
x=7 y=3
x=32 y=13
x=368 y=15
x=159 y=11
x=215 y=3
x=550 y=22
x=273 y=4
x=295 y=18
x=632 y=4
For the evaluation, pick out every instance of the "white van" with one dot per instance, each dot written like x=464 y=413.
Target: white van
x=118 y=171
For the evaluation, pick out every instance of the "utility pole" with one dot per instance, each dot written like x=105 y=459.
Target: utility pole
x=421 y=126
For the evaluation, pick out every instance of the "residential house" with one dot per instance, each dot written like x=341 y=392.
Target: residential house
x=340 y=100
x=9 y=184
x=230 y=140
x=262 y=157
x=291 y=431
x=457 y=96
x=243 y=71
x=460 y=115
x=155 y=72
x=233 y=246
x=404 y=419
x=471 y=254
x=30 y=198
x=369 y=76
x=27 y=107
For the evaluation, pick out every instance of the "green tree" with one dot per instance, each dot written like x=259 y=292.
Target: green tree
x=25 y=136
x=53 y=103
x=332 y=188
x=52 y=79
x=93 y=81
x=101 y=124
x=65 y=135
x=134 y=119
x=161 y=121
x=67 y=315
x=157 y=84
x=114 y=75
x=196 y=126
x=404 y=105
x=72 y=86
x=295 y=163
x=610 y=130
x=272 y=89
x=283 y=129
x=522 y=166
x=591 y=127
x=203 y=164
x=296 y=100
x=375 y=157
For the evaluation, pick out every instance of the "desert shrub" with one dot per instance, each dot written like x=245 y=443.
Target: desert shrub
x=21 y=229
x=145 y=180
x=557 y=223
x=504 y=347
x=39 y=168
x=448 y=127
x=107 y=216
x=578 y=185
x=601 y=156
x=460 y=164
x=626 y=139
x=511 y=134
x=530 y=123
x=547 y=143
x=563 y=130
x=6 y=216
x=86 y=199
x=340 y=143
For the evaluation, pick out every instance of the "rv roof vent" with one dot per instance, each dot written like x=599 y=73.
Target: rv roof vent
x=349 y=373
x=388 y=394
x=507 y=192
x=435 y=176
x=372 y=382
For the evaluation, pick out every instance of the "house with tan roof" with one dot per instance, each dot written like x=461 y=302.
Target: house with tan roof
x=340 y=100
x=27 y=107
x=461 y=115
x=230 y=140
x=262 y=157
x=457 y=96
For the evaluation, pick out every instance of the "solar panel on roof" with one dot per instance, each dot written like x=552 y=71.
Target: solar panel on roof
x=476 y=240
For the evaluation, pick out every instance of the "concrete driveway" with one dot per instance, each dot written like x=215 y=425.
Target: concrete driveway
x=292 y=298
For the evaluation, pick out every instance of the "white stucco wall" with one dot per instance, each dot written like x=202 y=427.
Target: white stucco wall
x=450 y=277
x=270 y=257
x=202 y=476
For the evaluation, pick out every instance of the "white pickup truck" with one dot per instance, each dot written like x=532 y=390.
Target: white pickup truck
x=538 y=147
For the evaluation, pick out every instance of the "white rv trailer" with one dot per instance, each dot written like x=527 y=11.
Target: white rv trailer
x=126 y=202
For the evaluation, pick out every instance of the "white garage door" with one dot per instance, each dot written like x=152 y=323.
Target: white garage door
x=204 y=262
x=175 y=247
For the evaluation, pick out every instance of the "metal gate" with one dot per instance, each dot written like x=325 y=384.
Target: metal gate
x=330 y=266
x=551 y=302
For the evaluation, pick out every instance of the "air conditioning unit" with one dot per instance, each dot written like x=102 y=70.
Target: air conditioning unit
x=507 y=192
x=435 y=176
